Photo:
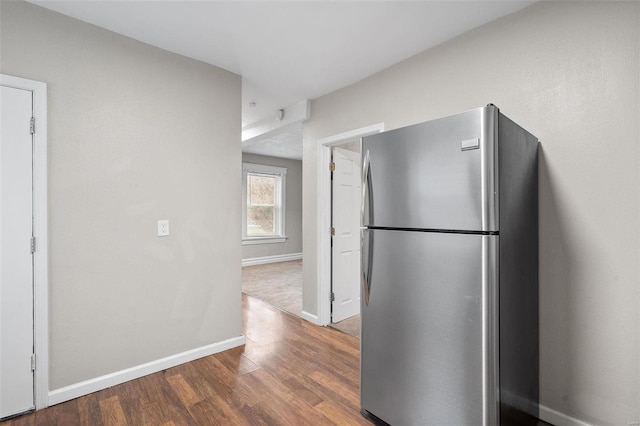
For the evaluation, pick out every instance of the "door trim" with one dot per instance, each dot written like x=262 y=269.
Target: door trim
x=40 y=257
x=324 y=215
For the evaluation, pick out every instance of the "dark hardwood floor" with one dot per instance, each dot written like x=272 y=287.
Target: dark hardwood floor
x=290 y=372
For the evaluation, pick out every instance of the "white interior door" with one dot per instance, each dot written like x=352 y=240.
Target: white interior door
x=16 y=259
x=346 y=239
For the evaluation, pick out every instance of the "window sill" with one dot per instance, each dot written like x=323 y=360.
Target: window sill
x=263 y=240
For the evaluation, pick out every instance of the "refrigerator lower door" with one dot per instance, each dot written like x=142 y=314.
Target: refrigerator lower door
x=429 y=338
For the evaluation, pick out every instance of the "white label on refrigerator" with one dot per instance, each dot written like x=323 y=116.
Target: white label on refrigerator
x=470 y=144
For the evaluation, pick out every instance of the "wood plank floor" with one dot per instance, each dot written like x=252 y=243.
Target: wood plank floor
x=290 y=372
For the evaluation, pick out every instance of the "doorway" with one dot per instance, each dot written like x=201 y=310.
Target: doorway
x=23 y=247
x=345 y=236
x=324 y=259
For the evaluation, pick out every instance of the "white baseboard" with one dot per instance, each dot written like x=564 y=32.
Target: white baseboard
x=557 y=418
x=310 y=317
x=271 y=259
x=92 y=385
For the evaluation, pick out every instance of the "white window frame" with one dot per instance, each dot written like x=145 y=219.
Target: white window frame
x=281 y=172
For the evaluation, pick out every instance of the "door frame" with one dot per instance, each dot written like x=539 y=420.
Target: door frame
x=324 y=214
x=40 y=257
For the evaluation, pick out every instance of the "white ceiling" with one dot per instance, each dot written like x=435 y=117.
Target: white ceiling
x=285 y=142
x=287 y=51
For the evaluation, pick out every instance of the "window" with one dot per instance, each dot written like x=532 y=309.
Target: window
x=263 y=204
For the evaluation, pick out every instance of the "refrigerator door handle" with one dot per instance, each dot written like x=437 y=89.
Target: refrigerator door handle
x=366 y=252
x=366 y=211
x=366 y=237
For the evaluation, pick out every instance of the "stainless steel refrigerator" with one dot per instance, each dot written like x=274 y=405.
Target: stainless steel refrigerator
x=450 y=272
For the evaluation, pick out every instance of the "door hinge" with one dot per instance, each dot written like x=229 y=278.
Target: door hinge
x=333 y=231
x=33 y=245
x=32 y=125
x=333 y=297
x=33 y=362
x=332 y=166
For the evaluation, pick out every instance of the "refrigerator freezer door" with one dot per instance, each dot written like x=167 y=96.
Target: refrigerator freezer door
x=436 y=175
x=427 y=342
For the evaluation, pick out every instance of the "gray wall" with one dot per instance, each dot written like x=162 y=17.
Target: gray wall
x=136 y=134
x=293 y=210
x=568 y=72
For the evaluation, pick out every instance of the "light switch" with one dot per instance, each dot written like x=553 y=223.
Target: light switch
x=163 y=228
